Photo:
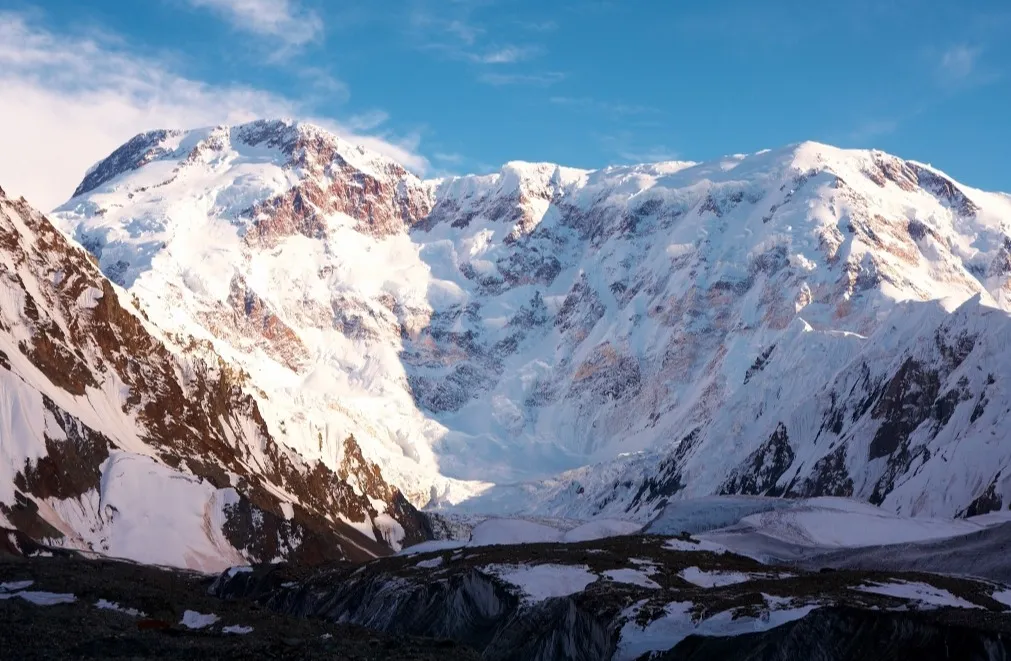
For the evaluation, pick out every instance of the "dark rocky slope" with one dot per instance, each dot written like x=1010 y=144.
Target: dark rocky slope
x=82 y=630
x=642 y=595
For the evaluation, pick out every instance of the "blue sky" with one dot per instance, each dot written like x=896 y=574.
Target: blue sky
x=465 y=85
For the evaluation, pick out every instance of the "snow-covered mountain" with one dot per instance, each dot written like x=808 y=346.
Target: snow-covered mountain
x=113 y=441
x=806 y=321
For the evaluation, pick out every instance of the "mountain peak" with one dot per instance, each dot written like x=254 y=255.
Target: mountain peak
x=296 y=144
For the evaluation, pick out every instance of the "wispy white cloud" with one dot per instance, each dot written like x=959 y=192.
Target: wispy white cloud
x=68 y=100
x=965 y=66
x=431 y=27
x=320 y=84
x=631 y=148
x=453 y=31
x=651 y=155
x=463 y=31
x=507 y=55
x=606 y=107
x=958 y=63
x=448 y=158
x=366 y=121
x=872 y=129
x=539 y=26
x=285 y=20
x=540 y=79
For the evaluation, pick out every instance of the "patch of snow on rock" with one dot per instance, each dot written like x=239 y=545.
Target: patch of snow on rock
x=13 y=586
x=677 y=623
x=41 y=598
x=195 y=620
x=105 y=604
x=1002 y=596
x=237 y=628
x=921 y=593
x=234 y=571
x=700 y=546
x=433 y=545
x=632 y=576
x=540 y=582
x=431 y=563
x=713 y=579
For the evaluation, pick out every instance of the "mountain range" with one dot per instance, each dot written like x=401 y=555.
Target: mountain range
x=266 y=343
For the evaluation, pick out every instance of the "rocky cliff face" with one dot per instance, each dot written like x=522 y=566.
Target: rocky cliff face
x=118 y=442
x=659 y=331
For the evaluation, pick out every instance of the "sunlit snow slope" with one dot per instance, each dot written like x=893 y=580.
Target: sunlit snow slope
x=112 y=442
x=778 y=323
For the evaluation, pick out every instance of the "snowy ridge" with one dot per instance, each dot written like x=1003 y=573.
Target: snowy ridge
x=116 y=444
x=659 y=331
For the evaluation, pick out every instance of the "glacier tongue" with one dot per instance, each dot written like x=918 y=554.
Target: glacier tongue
x=760 y=324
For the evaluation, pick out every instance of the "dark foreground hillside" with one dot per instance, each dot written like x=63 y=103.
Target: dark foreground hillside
x=83 y=630
x=630 y=598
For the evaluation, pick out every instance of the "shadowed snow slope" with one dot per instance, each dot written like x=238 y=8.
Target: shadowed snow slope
x=804 y=321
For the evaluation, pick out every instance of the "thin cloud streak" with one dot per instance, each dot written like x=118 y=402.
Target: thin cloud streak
x=626 y=147
x=872 y=129
x=540 y=26
x=958 y=63
x=545 y=79
x=607 y=107
x=450 y=158
x=508 y=55
x=451 y=31
x=285 y=20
